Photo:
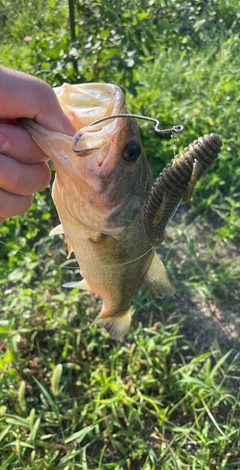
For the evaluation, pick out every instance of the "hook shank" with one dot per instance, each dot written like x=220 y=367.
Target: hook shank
x=175 y=129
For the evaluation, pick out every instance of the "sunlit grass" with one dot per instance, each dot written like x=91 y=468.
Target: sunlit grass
x=73 y=398
x=144 y=403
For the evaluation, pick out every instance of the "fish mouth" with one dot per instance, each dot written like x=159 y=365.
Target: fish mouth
x=99 y=167
x=95 y=137
x=106 y=144
x=85 y=104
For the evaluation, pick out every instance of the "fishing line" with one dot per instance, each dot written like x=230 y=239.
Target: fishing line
x=132 y=260
x=76 y=267
x=38 y=259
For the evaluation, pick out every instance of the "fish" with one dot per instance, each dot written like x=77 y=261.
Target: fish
x=100 y=198
x=111 y=212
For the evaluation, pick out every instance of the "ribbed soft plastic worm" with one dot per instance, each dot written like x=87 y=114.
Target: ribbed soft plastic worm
x=177 y=181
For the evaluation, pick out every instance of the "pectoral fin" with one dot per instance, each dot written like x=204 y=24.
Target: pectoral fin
x=77 y=285
x=109 y=249
x=58 y=230
x=156 y=279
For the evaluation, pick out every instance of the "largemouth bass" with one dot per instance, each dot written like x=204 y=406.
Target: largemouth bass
x=100 y=200
x=110 y=211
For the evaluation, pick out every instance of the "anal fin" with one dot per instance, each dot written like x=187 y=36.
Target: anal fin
x=156 y=278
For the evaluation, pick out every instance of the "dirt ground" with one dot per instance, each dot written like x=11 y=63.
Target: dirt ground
x=215 y=316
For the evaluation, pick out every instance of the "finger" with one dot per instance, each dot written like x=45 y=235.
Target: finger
x=17 y=143
x=22 y=179
x=22 y=95
x=11 y=205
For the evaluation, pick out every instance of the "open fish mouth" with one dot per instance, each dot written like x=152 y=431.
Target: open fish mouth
x=86 y=103
x=96 y=110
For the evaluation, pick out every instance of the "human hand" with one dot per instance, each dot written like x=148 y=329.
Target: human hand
x=23 y=167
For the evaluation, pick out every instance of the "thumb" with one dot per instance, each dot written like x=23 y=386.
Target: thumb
x=24 y=96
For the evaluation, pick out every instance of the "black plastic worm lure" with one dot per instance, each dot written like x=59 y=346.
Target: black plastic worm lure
x=177 y=181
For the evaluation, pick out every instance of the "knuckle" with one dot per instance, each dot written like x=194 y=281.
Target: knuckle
x=47 y=94
x=11 y=175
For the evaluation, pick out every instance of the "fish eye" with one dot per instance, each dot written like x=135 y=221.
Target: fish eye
x=132 y=151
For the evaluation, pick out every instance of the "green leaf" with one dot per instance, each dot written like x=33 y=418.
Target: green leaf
x=80 y=435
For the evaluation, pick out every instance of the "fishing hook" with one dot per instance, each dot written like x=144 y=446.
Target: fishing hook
x=175 y=129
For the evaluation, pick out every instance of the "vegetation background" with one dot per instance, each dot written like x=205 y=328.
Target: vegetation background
x=168 y=396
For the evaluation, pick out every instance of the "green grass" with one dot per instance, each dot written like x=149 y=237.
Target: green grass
x=166 y=398
x=150 y=402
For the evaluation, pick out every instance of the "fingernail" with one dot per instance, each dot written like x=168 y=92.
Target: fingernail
x=67 y=126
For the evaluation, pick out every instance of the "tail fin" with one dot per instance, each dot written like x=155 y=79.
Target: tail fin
x=117 y=325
